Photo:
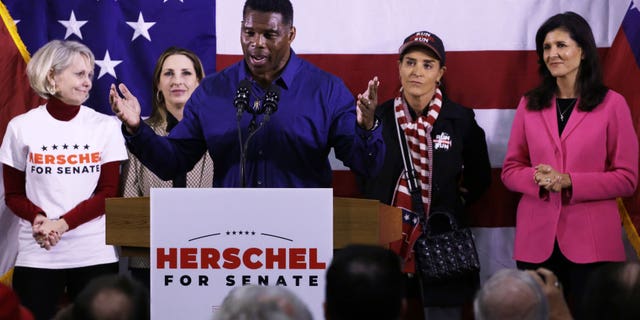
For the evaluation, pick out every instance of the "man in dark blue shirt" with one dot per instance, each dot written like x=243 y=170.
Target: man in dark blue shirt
x=288 y=148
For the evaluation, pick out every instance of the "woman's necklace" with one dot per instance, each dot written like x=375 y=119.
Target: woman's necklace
x=566 y=109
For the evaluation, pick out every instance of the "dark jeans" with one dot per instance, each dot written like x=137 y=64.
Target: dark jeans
x=41 y=290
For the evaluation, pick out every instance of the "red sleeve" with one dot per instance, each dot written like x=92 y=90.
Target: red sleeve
x=94 y=207
x=15 y=194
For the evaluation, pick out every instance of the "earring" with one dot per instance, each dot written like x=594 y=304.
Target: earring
x=438 y=83
x=51 y=89
x=159 y=95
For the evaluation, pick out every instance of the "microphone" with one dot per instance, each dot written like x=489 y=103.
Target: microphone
x=241 y=101
x=269 y=106
x=271 y=99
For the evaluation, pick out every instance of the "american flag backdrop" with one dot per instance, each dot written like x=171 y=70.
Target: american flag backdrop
x=126 y=36
x=622 y=72
x=490 y=59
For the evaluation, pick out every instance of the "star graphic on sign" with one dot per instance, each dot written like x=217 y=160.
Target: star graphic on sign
x=65 y=146
x=107 y=66
x=16 y=22
x=141 y=28
x=73 y=26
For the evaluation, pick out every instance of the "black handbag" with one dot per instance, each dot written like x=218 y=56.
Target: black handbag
x=445 y=251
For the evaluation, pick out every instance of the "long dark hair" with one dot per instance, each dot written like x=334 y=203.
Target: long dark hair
x=589 y=78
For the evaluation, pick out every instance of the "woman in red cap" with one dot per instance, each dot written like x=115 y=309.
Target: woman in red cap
x=448 y=152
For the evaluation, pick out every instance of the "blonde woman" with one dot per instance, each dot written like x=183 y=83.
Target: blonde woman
x=60 y=161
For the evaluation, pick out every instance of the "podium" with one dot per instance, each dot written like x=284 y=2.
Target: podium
x=359 y=221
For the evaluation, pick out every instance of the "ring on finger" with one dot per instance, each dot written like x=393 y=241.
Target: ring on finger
x=556 y=284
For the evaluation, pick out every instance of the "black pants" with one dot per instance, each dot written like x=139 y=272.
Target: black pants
x=40 y=290
x=573 y=277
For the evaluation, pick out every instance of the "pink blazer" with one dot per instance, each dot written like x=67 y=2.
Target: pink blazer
x=599 y=150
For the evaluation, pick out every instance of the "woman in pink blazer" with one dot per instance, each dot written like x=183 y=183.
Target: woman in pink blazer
x=572 y=151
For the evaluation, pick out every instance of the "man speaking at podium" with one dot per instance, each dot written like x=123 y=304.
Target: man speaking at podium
x=232 y=114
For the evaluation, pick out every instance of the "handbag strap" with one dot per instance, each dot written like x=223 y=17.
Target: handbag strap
x=412 y=177
x=406 y=248
x=450 y=218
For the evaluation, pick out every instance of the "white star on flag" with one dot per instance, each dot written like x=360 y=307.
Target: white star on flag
x=73 y=26
x=141 y=28
x=107 y=66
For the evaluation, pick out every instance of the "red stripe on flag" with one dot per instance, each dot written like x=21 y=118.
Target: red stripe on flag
x=497 y=207
x=478 y=79
x=344 y=184
x=16 y=95
x=622 y=74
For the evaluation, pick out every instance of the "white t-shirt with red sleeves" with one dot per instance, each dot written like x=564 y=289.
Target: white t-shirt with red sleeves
x=61 y=161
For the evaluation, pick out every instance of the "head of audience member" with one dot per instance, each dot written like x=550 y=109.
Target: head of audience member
x=262 y=303
x=364 y=282
x=567 y=38
x=10 y=307
x=65 y=313
x=421 y=67
x=511 y=294
x=62 y=69
x=112 y=297
x=613 y=292
x=177 y=73
x=266 y=35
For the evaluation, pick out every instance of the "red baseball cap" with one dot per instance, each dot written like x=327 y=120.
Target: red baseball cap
x=424 y=39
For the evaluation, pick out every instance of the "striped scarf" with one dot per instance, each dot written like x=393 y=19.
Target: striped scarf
x=418 y=136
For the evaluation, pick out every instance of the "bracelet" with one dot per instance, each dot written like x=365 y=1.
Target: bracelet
x=376 y=124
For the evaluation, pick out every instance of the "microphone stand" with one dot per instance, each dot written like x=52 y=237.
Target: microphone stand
x=270 y=106
x=242 y=156
x=241 y=102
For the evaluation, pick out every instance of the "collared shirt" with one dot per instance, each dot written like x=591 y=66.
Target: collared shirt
x=315 y=113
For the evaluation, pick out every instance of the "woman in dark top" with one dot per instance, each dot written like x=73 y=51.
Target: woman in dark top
x=448 y=151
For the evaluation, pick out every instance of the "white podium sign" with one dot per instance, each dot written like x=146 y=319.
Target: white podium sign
x=205 y=242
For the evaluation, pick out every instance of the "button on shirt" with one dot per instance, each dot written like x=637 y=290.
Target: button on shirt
x=316 y=112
